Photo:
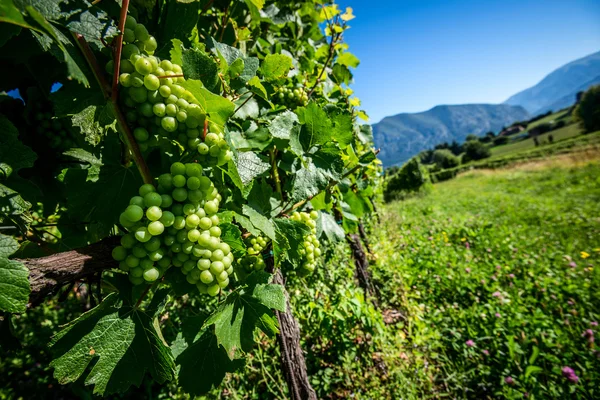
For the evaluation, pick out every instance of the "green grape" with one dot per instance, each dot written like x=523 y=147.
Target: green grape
x=133 y=213
x=156 y=228
x=141 y=134
x=179 y=194
x=119 y=253
x=169 y=124
x=151 y=274
x=139 y=251
x=151 y=82
x=153 y=244
x=142 y=234
x=167 y=218
x=128 y=241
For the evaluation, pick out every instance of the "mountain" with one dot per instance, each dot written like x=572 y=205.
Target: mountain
x=558 y=89
x=404 y=135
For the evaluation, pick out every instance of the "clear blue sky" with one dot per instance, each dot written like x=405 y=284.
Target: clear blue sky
x=416 y=54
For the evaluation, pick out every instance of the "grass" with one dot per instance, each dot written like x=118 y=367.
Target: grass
x=497 y=274
x=550 y=118
x=565 y=132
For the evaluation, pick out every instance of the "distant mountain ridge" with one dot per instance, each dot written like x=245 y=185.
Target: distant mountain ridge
x=559 y=88
x=402 y=136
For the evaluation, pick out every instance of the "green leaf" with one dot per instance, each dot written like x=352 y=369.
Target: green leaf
x=365 y=134
x=250 y=166
x=232 y=235
x=13 y=154
x=316 y=126
x=260 y=221
x=326 y=225
x=290 y=236
x=11 y=14
x=246 y=310
x=284 y=124
x=534 y=355
x=257 y=88
x=257 y=3
x=343 y=130
x=8 y=245
x=218 y=108
x=54 y=41
x=275 y=66
x=203 y=363
x=101 y=202
x=14 y=283
x=348 y=59
x=200 y=66
x=178 y=20
x=532 y=369
x=125 y=342
x=323 y=168
x=253 y=138
x=12 y=205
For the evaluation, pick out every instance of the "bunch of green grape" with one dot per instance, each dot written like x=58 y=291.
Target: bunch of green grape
x=310 y=247
x=54 y=130
x=176 y=225
x=291 y=98
x=159 y=109
x=253 y=260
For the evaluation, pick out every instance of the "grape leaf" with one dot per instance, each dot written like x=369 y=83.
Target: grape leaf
x=260 y=221
x=14 y=155
x=275 y=66
x=316 y=126
x=250 y=166
x=8 y=245
x=218 y=108
x=255 y=138
x=326 y=225
x=199 y=65
x=14 y=284
x=343 y=130
x=283 y=125
x=101 y=202
x=365 y=134
x=232 y=235
x=124 y=340
x=12 y=206
x=257 y=88
x=203 y=363
x=348 y=59
x=244 y=311
x=178 y=19
x=321 y=169
x=293 y=232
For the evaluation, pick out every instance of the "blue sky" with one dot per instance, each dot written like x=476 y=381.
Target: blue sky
x=416 y=54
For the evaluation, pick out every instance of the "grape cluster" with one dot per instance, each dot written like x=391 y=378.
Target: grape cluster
x=54 y=130
x=253 y=260
x=159 y=107
x=176 y=225
x=291 y=98
x=310 y=246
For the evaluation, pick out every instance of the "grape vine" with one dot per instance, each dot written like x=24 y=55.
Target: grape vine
x=217 y=149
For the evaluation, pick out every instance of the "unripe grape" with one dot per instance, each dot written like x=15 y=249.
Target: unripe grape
x=156 y=228
x=151 y=274
x=206 y=277
x=169 y=124
x=141 y=134
x=213 y=290
x=133 y=213
x=154 y=213
x=119 y=253
x=151 y=82
x=152 y=199
x=142 y=234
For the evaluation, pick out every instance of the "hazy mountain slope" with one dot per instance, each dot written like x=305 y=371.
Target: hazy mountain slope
x=402 y=136
x=558 y=89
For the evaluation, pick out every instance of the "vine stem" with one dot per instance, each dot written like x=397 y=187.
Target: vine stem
x=276 y=172
x=329 y=56
x=329 y=186
x=144 y=294
x=243 y=104
x=121 y=122
x=117 y=51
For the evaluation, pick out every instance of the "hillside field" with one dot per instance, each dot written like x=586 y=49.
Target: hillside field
x=497 y=274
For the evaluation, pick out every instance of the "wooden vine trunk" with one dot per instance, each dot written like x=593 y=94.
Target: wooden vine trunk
x=48 y=274
x=292 y=357
x=362 y=265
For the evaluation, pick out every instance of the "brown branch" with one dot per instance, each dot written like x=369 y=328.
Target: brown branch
x=48 y=274
x=117 y=51
x=243 y=104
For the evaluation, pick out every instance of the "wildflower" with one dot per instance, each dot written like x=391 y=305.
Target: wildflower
x=509 y=380
x=467 y=270
x=470 y=343
x=584 y=255
x=463 y=239
x=487 y=353
x=594 y=323
x=496 y=294
x=498 y=267
x=483 y=281
x=568 y=373
x=589 y=335
x=467 y=246
x=498 y=315
x=511 y=276
x=572 y=264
